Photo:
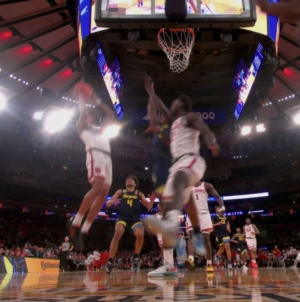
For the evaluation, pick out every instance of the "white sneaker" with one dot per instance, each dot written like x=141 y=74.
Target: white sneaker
x=164 y=271
x=244 y=267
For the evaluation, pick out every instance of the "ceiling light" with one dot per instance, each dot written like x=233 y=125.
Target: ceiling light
x=260 y=128
x=38 y=115
x=146 y=168
x=297 y=119
x=57 y=120
x=111 y=131
x=246 y=130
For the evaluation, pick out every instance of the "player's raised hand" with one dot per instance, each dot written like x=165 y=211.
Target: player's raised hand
x=215 y=149
x=152 y=197
x=148 y=82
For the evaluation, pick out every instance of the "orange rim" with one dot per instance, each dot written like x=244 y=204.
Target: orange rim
x=175 y=30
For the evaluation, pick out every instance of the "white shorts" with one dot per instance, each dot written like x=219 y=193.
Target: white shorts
x=99 y=165
x=251 y=243
x=205 y=223
x=194 y=167
x=159 y=240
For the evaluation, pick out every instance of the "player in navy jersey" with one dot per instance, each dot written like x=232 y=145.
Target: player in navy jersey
x=129 y=212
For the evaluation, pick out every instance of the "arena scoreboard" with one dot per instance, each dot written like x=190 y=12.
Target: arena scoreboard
x=151 y=14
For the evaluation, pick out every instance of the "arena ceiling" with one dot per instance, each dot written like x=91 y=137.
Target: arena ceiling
x=39 y=49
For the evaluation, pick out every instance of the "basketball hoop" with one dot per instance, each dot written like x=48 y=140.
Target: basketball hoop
x=177 y=44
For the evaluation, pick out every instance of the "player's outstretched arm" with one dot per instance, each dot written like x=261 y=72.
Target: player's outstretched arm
x=212 y=191
x=83 y=92
x=115 y=199
x=195 y=121
x=256 y=229
x=149 y=85
x=147 y=204
x=287 y=12
x=109 y=113
x=151 y=114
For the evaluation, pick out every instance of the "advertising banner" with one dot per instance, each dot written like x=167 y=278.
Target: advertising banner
x=14 y=265
x=36 y=265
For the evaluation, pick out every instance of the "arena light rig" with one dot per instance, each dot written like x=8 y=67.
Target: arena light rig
x=56 y=120
x=297 y=119
x=111 y=131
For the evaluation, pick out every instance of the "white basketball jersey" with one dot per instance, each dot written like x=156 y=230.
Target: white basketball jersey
x=200 y=197
x=250 y=231
x=183 y=139
x=94 y=140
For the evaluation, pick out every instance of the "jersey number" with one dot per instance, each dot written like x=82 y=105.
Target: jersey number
x=129 y=201
x=197 y=198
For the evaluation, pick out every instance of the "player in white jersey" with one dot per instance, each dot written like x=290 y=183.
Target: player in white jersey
x=187 y=167
x=250 y=231
x=98 y=161
x=200 y=194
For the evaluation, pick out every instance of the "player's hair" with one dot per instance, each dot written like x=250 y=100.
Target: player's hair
x=187 y=102
x=134 y=178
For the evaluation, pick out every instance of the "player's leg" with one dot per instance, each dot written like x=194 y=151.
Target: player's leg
x=207 y=227
x=119 y=231
x=244 y=259
x=220 y=251
x=228 y=251
x=252 y=248
x=138 y=231
x=88 y=199
x=194 y=219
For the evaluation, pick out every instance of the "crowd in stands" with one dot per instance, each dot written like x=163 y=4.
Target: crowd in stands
x=37 y=235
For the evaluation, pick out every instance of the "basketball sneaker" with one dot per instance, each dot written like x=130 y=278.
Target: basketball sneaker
x=209 y=268
x=198 y=243
x=254 y=265
x=135 y=264
x=164 y=271
x=189 y=264
x=244 y=267
x=108 y=267
x=217 y=260
x=229 y=265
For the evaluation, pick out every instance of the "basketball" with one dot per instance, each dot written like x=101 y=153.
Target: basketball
x=83 y=89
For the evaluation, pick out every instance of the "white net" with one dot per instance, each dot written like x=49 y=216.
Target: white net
x=177 y=44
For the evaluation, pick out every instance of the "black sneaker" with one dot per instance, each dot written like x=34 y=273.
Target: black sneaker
x=135 y=264
x=108 y=267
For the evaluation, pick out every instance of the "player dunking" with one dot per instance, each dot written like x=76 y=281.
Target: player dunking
x=222 y=229
x=188 y=167
x=250 y=231
x=98 y=162
x=129 y=212
x=239 y=239
x=200 y=194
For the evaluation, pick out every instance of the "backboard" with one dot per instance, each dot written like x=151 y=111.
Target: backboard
x=151 y=14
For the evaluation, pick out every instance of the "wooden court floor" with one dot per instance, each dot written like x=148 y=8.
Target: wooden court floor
x=281 y=285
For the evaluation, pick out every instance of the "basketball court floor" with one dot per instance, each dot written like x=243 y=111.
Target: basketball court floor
x=279 y=284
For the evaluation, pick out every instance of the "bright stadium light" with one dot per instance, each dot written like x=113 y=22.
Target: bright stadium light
x=57 y=120
x=111 y=131
x=246 y=130
x=260 y=128
x=38 y=115
x=297 y=119
x=2 y=102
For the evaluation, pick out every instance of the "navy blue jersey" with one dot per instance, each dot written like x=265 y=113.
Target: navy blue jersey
x=130 y=206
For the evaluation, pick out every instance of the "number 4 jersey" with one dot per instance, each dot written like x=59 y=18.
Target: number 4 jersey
x=130 y=206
